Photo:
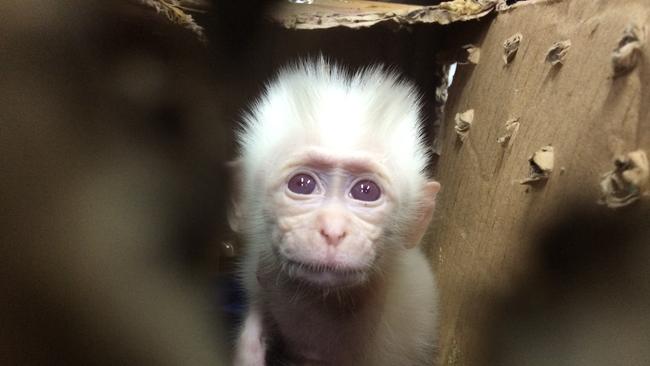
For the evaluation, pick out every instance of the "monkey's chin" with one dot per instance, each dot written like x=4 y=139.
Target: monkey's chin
x=324 y=276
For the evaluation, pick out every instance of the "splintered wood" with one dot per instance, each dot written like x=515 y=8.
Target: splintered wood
x=627 y=182
x=510 y=47
x=473 y=54
x=463 y=124
x=321 y=14
x=541 y=164
x=511 y=127
x=175 y=12
x=558 y=52
x=626 y=55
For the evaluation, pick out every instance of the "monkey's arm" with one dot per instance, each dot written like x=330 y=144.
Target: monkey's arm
x=251 y=349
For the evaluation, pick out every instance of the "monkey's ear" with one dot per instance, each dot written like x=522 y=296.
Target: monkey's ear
x=424 y=214
x=234 y=213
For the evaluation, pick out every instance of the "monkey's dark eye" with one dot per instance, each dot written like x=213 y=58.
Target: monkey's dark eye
x=302 y=184
x=365 y=190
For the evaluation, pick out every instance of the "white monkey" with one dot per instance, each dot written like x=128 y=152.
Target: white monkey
x=333 y=196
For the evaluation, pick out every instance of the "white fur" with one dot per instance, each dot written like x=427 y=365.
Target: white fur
x=319 y=103
x=390 y=320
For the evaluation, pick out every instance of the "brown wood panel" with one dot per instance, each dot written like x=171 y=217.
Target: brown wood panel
x=486 y=221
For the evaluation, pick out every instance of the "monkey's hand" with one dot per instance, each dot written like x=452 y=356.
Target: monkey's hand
x=250 y=349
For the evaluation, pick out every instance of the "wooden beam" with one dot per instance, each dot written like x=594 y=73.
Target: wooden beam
x=321 y=14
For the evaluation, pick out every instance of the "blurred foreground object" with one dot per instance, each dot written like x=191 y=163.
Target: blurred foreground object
x=586 y=300
x=96 y=129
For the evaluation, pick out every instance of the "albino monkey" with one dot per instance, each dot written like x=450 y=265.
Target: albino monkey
x=333 y=196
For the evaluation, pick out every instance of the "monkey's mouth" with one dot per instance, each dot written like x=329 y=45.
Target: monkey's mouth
x=324 y=275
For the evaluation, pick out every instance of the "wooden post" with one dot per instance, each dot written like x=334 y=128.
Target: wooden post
x=486 y=218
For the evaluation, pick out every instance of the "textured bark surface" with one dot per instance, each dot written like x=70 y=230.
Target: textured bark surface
x=486 y=223
x=322 y=14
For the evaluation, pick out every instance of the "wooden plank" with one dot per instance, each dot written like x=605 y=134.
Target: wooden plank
x=486 y=221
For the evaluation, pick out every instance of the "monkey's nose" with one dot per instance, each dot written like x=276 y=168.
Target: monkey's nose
x=333 y=237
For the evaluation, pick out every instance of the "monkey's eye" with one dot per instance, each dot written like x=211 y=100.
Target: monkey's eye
x=365 y=190
x=302 y=184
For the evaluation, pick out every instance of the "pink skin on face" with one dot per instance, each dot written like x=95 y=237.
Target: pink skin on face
x=329 y=214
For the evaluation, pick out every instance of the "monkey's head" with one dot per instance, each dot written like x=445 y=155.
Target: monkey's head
x=333 y=182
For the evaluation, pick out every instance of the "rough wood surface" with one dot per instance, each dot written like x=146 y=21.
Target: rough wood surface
x=486 y=220
x=323 y=14
x=176 y=11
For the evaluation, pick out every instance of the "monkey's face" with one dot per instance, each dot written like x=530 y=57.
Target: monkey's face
x=329 y=213
x=333 y=173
